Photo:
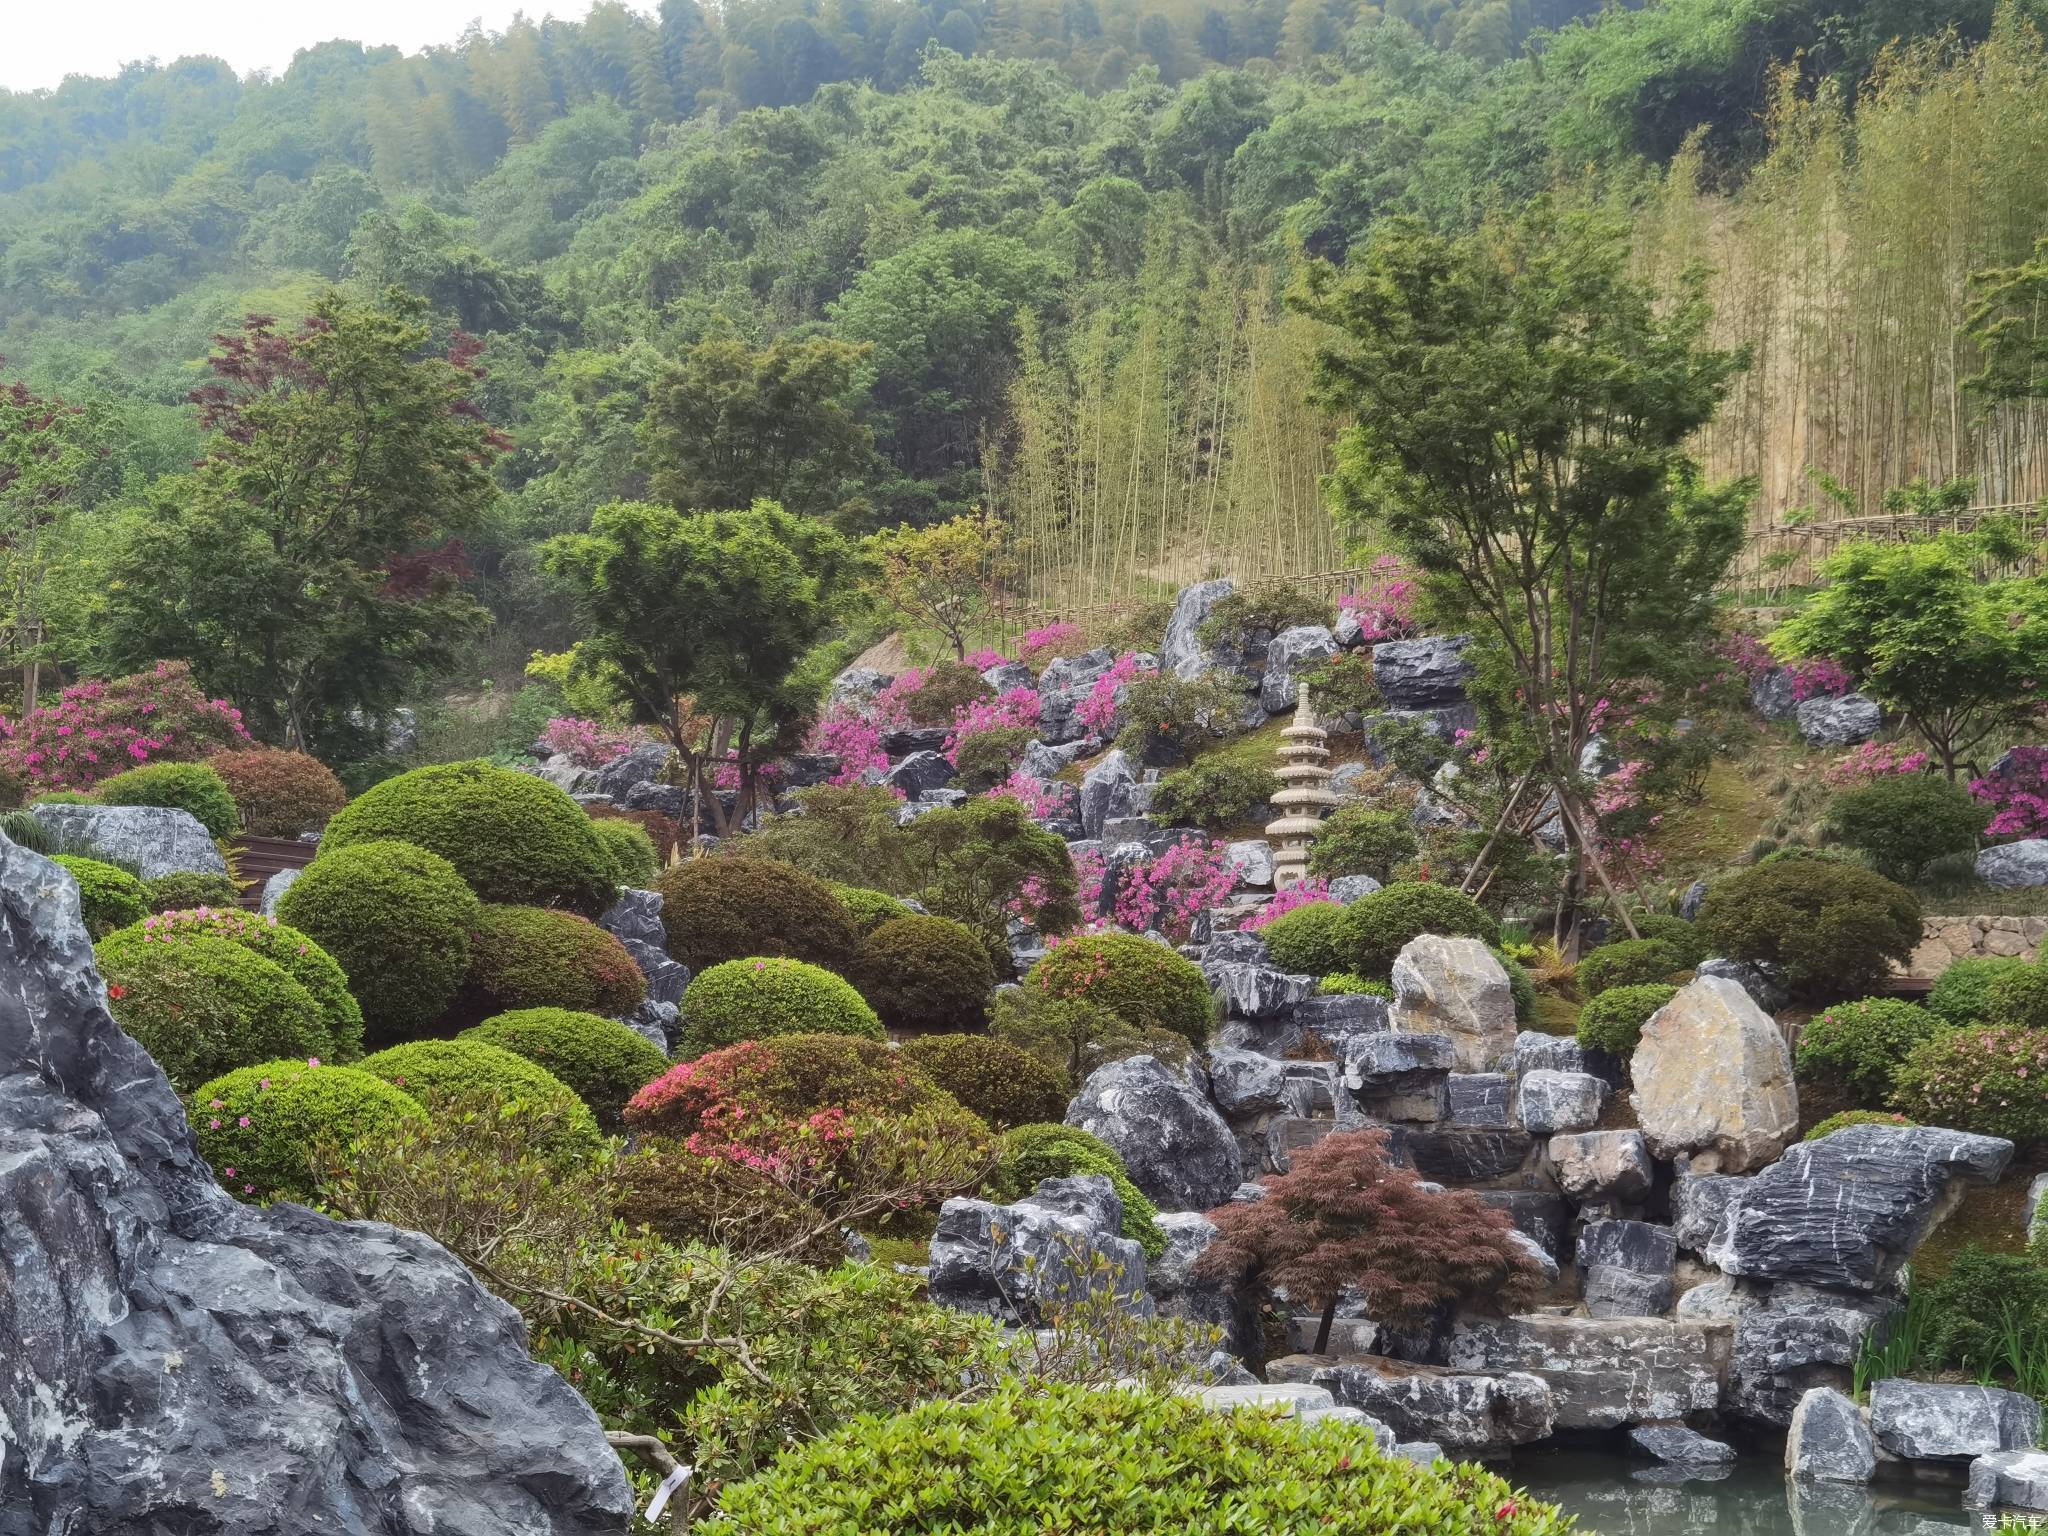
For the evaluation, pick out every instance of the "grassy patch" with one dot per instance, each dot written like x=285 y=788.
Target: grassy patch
x=1555 y=1015
x=1717 y=832
x=1993 y=1218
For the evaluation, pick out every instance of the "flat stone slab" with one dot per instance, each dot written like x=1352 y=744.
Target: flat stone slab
x=2008 y=1480
x=1603 y=1372
x=1937 y=1421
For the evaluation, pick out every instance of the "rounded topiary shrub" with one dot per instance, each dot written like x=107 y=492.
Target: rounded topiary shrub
x=184 y=889
x=1050 y=1150
x=512 y=837
x=1849 y=1117
x=207 y=1005
x=867 y=910
x=1613 y=1020
x=1903 y=822
x=1858 y=1046
x=1114 y=1459
x=397 y=918
x=280 y=794
x=291 y=951
x=602 y=1060
x=259 y=1128
x=537 y=957
x=1990 y=1080
x=1834 y=928
x=1379 y=926
x=1628 y=963
x=1961 y=995
x=1668 y=928
x=790 y=1076
x=1144 y=983
x=108 y=896
x=1003 y=1083
x=1362 y=840
x=2018 y=998
x=631 y=850
x=190 y=787
x=767 y=995
x=926 y=973
x=1310 y=940
x=476 y=1077
x=731 y=908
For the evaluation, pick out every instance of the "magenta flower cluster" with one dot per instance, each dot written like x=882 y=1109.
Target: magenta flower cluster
x=1008 y=710
x=1167 y=892
x=584 y=742
x=2018 y=795
x=1106 y=696
x=97 y=729
x=1303 y=893
x=1872 y=761
x=1385 y=604
x=1045 y=644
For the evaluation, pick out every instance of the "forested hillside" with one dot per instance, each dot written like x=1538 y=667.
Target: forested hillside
x=886 y=262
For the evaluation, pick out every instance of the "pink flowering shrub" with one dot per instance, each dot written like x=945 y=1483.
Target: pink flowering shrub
x=983 y=659
x=1746 y=654
x=1871 y=761
x=851 y=737
x=1385 y=605
x=1992 y=1080
x=100 y=728
x=584 y=742
x=1303 y=893
x=1050 y=643
x=891 y=708
x=2018 y=796
x=1821 y=677
x=1039 y=799
x=1167 y=892
x=1011 y=710
x=1625 y=821
x=1099 y=710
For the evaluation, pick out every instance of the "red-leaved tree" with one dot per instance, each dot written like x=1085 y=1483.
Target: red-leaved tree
x=1347 y=1215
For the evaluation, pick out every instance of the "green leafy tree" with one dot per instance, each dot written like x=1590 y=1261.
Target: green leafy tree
x=286 y=567
x=45 y=447
x=944 y=577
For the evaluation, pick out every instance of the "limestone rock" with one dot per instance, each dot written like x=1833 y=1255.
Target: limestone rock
x=1346 y=889
x=1252 y=859
x=1175 y=1146
x=1008 y=676
x=1840 y=722
x=179 y=1361
x=859 y=685
x=2015 y=866
x=154 y=840
x=1428 y=673
x=1257 y=991
x=1340 y=1016
x=1771 y=695
x=1602 y=1372
x=1062 y=688
x=1560 y=1101
x=1286 y=654
x=1182 y=653
x=1713 y=1075
x=1460 y=1155
x=1106 y=790
x=1930 y=1421
x=1694 y=898
x=1293 y=1399
x=1676 y=1444
x=1828 y=1440
x=1538 y=1052
x=1245 y=1082
x=1018 y=1262
x=1603 y=1165
x=1455 y=987
x=919 y=772
x=1465 y=1414
x=1626 y=1267
x=1238 y=945
x=1698 y=1202
x=274 y=889
x=1794 y=1338
x=1537 y=1213
x=1181 y=1291
x=1478 y=1100
x=2008 y=1480
x=640 y=764
x=1399 y=1076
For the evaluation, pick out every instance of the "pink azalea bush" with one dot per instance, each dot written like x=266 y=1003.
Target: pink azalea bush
x=2018 y=796
x=1385 y=605
x=1821 y=677
x=1167 y=892
x=1006 y=711
x=853 y=738
x=1872 y=761
x=100 y=728
x=1049 y=643
x=1039 y=799
x=1105 y=696
x=584 y=742
x=1303 y=893
x=891 y=709
x=984 y=658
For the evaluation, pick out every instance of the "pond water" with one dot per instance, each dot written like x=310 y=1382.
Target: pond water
x=1612 y=1497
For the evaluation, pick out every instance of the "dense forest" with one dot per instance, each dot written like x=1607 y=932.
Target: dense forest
x=886 y=262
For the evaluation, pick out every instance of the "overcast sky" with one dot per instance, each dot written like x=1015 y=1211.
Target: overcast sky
x=42 y=41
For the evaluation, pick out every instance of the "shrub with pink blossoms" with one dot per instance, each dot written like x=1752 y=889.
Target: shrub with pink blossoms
x=2018 y=796
x=1303 y=893
x=1105 y=697
x=1820 y=677
x=851 y=737
x=1170 y=891
x=1049 y=643
x=1385 y=604
x=97 y=729
x=1010 y=710
x=1039 y=799
x=584 y=742
x=983 y=659
x=1872 y=761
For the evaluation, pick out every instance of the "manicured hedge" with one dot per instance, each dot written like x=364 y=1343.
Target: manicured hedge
x=1032 y=1153
x=926 y=973
x=1859 y=1045
x=1145 y=983
x=1628 y=963
x=867 y=910
x=1003 y=1083
x=1613 y=1020
x=207 y=1005
x=1378 y=927
x=1961 y=995
x=630 y=849
x=184 y=889
x=280 y=794
x=1310 y=940
x=720 y=909
x=764 y=996
x=788 y=1076
x=108 y=896
x=1834 y=927
x=190 y=787
x=1990 y=1080
x=537 y=957
x=260 y=1126
x=604 y=1061
x=475 y=1077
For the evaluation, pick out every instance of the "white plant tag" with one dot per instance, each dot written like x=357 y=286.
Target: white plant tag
x=669 y=1485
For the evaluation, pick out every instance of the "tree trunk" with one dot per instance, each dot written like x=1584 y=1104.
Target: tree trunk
x=1323 y=1328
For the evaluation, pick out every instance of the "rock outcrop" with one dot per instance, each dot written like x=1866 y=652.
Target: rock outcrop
x=156 y=840
x=1713 y=1080
x=177 y=1361
x=1603 y=1372
x=1840 y=722
x=1176 y=1147
x=2015 y=866
x=1455 y=987
x=1828 y=1441
x=1422 y=674
x=1465 y=1413
x=1941 y=1421
x=1018 y=1262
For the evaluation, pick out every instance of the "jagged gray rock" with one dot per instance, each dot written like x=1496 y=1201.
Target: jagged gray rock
x=1018 y=1262
x=1106 y=791
x=1764 y=983
x=179 y=1361
x=1626 y=1267
x=2015 y=866
x=920 y=772
x=1846 y=1211
x=1560 y=1101
x=859 y=685
x=1771 y=695
x=155 y=840
x=1245 y=1082
x=1603 y=1165
x=1062 y=688
x=1455 y=987
x=1182 y=1290
x=1698 y=1202
x=1257 y=991
x=1252 y=859
x=1007 y=676
x=1042 y=760
x=1838 y=722
x=1478 y=1100
x=1399 y=1076
x=1602 y=1372
x=1429 y=673
x=1182 y=653
x=1346 y=889
x=2008 y=1480
x=1464 y=1413
x=640 y=764
x=1676 y=1444
x=1940 y=1421
x=274 y=889
x=1828 y=1441
x=1794 y=1338
x=1713 y=1076
x=1177 y=1149
x=1287 y=653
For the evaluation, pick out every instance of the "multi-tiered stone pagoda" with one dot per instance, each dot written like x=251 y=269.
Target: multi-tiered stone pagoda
x=1304 y=798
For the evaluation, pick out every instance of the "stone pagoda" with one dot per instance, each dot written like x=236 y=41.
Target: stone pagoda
x=1304 y=798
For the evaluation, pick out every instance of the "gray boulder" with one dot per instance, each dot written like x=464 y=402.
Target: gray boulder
x=1257 y=991
x=2008 y=1480
x=635 y=915
x=1828 y=1441
x=1286 y=655
x=1429 y=673
x=154 y=840
x=1839 y=722
x=1538 y=1052
x=1764 y=983
x=1182 y=653
x=1771 y=695
x=180 y=1361
x=1455 y=987
x=1478 y=1100
x=1346 y=889
x=1062 y=688
x=641 y=764
x=919 y=772
x=1462 y=1156
x=1177 y=1149
x=1106 y=791
x=1245 y=1083
x=1602 y=1372
x=1399 y=1076
x=1676 y=1444
x=1252 y=859
x=670 y=799
x=1713 y=1077
x=1626 y=1268
x=1603 y=1165
x=1018 y=1263
x=1690 y=903
x=1240 y=945
x=1466 y=1414
x=859 y=685
x=1848 y=1210
x=1937 y=1421
x=1560 y=1101
x=1336 y=1017
x=1182 y=1290
x=1043 y=761
x=2015 y=866
x=1794 y=1338
x=1008 y=676
x=274 y=889
x=1698 y=1203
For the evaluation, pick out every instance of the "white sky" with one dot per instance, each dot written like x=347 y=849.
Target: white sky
x=42 y=41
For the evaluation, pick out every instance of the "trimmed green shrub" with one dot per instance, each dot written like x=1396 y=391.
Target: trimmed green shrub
x=475 y=1077
x=1380 y=925
x=1990 y=1080
x=207 y=1005
x=280 y=794
x=926 y=973
x=1903 y=822
x=1310 y=940
x=1145 y=983
x=190 y=787
x=946 y=688
x=1166 y=715
x=1613 y=1020
x=1849 y=1117
x=1215 y=793
x=867 y=910
x=397 y=918
x=767 y=995
x=985 y=759
x=2018 y=998
x=1004 y=1084
x=1032 y=1153
x=1961 y=995
x=1360 y=840
x=1116 y=1459
x=630 y=849
x=1973 y=1307
x=184 y=889
x=108 y=897
x=1860 y=1045
x=1628 y=963
x=1073 y=1038
x=790 y=1076
x=1261 y=610
x=1680 y=935
x=691 y=1197
x=1338 y=982
x=260 y=1127
x=602 y=1060
x=536 y=957
x=1834 y=928
x=513 y=838
x=721 y=909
